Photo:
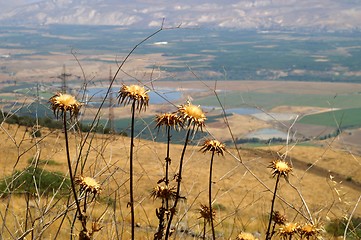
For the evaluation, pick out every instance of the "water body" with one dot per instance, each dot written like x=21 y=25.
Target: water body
x=239 y=111
x=267 y=133
x=159 y=96
x=243 y=111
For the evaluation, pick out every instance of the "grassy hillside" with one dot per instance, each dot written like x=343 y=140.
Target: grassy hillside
x=242 y=189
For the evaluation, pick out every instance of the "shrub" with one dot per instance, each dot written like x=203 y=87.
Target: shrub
x=337 y=228
x=34 y=180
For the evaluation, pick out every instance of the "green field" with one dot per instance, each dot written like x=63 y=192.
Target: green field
x=345 y=118
x=268 y=101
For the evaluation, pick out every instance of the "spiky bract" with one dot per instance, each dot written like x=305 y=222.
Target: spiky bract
x=192 y=114
x=213 y=146
x=245 y=236
x=278 y=218
x=287 y=230
x=164 y=192
x=135 y=93
x=65 y=102
x=280 y=167
x=88 y=184
x=206 y=213
x=169 y=120
x=309 y=230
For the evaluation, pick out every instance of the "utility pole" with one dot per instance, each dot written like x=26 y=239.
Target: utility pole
x=63 y=77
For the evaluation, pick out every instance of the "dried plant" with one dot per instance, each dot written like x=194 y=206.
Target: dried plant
x=309 y=231
x=88 y=185
x=288 y=230
x=138 y=97
x=169 y=121
x=246 y=236
x=207 y=214
x=134 y=94
x=63 y=103
x=280 y=169
x=194 y=118
x=213 y=146
x=164 y=193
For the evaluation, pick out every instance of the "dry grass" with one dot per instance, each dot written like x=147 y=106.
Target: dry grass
x=243 y=201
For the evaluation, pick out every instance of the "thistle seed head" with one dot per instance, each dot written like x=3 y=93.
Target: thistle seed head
x=287 y=230
x=206 y=213
x=164 y=192
x=135 y=93
x=88 y=184
x=213 y=146
x=278 y=218
x=245 y=236
x=65 y=102
x=192 y=114
x=169 y=120
x=309 y=230
x=280 y=167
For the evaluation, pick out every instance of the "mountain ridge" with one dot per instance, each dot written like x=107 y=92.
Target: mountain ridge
x=249 y=14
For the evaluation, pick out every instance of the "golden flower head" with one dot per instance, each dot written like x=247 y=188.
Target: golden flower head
x=280 y=167
x=309 y=230
x=134 y=93
x=245 y=236
x=192 y=114
x=164 y=192
x=213 y=146
x=278 y=218
x=65 y=102
x=289 y=229
x=206 y=214
x=169 y=120
x=88 y=184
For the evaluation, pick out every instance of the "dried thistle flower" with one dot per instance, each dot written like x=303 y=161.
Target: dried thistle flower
x=287 y=230
x=134 y=93
x=281 y=168
x=169 y=120
x=309 y=230
x=65 y=102
x=192 y=114
x=213 y=146
x=164 y=192
x=278 y=218
x=205 y=212
x=88 y=184
x=245 y=236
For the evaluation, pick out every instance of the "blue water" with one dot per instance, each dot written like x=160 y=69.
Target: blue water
x=158 y=96
x=243 y=111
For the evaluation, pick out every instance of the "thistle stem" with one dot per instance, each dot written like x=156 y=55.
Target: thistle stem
x=204 y=229
x=210 y=196
x=167 y=162
x=172 y=212
x=131 y=201
x=81 y=217
x=272 y=207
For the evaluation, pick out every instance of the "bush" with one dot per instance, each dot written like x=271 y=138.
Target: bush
x=33 y=180
x=337 y=228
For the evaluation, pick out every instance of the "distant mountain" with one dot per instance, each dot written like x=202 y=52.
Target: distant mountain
x=261 y=14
